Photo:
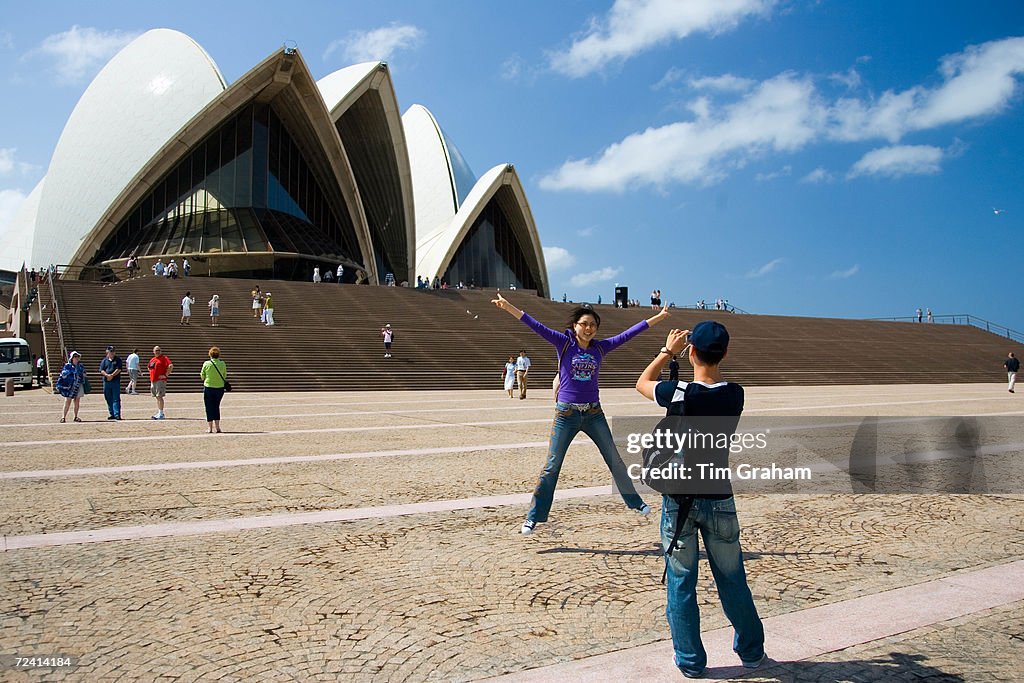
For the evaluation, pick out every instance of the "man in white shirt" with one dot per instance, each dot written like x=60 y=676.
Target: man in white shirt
x=389 y=336
x=522 y=369
x=340 y=273
x=132 y=365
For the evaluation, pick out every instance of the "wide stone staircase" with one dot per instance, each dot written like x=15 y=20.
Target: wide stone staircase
x=327 y=337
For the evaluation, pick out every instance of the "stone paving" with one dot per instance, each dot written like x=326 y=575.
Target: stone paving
x=453 y=595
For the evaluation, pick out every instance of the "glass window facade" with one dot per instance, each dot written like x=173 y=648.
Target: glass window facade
x=491 y=255
x=371 y=150
x=246 y=188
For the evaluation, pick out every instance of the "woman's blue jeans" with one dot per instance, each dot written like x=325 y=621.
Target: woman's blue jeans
x=568 y=423
x=716 y=520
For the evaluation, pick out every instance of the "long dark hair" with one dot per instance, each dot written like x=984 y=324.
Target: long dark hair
x=579 y=312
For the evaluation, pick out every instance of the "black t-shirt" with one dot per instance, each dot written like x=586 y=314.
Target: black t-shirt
x=697 y=399
x=1012 y=364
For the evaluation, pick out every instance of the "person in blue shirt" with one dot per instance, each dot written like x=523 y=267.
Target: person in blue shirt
x=713 y=514
x=110 y=368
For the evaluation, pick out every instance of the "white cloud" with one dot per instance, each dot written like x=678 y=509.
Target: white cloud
x=980 y=81
x=786 y=113
x=769 y=267
x=557 y=258
x=6 y=160
x=723 y=83
x=600 y=275
x=80 y=51
x=818 y=175
x=633 y=26
x=376 y=45
x=843 y=274
x=899 y=160
x=673 y=75
x=773 y=175
x=586 y=232
x=781 y=114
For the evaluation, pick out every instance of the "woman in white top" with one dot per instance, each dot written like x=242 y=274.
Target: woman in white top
x=214 y=305
x=186 y=308
x=510 y=375
x=316 y=274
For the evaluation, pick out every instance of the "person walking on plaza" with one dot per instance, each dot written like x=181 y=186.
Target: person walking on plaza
x=41 y=370
x=1012 y=365
x=160 y=368
x=713 y=514
x=509 y=375
x=111 y=367
x=578 y=407
x=257 y=301
x=186 y=308
x=316 y=274
x=522 y=371
x=214 y=304
x=131 y=363
x=389 y=336
x=215 y=378
x=71 y=384
x=268 y=310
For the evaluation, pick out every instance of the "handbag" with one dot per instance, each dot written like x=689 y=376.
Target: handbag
x=86 y=385
x=227 y=384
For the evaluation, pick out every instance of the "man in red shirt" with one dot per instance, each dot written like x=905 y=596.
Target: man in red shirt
x=160 y=368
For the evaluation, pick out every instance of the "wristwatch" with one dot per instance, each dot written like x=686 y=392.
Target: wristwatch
x=664 y=349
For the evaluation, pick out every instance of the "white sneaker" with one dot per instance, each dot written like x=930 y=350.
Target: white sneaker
x=158 y=416
x=644 y=511
x=527 y=527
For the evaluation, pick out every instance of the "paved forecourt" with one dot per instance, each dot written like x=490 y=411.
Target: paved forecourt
x=374 y=537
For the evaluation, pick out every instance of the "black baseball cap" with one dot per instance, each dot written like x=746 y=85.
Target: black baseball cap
x=710 y=336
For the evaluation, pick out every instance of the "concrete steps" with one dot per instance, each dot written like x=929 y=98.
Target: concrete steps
x=327 y=337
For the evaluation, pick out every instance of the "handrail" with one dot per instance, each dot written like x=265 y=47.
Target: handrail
x=964 y=319
x=56 y=319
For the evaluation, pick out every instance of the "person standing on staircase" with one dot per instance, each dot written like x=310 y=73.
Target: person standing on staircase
x=316 y=274
x=257 y=301
x=186 y=308
x=389 y=336
x=268 y=310
x=341 y=273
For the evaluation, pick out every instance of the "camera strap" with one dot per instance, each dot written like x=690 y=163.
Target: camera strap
x=685 y=505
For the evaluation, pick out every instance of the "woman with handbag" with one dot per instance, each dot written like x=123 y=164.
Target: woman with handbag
x=215 y=383
x=71 y=384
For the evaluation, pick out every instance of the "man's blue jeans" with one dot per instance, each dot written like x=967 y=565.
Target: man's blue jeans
x=568 y=423
x=112 y=393
x=716 y=520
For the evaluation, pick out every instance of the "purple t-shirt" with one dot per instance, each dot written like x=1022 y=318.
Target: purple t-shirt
x=579 y=368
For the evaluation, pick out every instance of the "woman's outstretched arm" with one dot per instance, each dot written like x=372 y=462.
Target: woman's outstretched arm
x=506 y=305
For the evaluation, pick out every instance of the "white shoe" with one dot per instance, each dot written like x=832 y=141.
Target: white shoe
x=645 y=510
x=527 y=527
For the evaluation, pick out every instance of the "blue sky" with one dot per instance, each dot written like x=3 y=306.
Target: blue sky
x=797 y=157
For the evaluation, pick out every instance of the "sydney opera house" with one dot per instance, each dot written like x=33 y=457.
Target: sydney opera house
x=268 y=177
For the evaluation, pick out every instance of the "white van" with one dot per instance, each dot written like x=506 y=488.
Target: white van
x=16 y=361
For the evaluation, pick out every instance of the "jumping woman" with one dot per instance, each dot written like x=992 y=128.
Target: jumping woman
x=578 y=406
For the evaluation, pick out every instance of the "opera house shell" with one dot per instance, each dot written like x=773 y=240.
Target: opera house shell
x=268 y=177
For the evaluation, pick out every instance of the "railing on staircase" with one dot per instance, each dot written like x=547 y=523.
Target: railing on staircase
x=964 y=319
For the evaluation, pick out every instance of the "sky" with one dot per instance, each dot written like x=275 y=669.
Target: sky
x=797 y=157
